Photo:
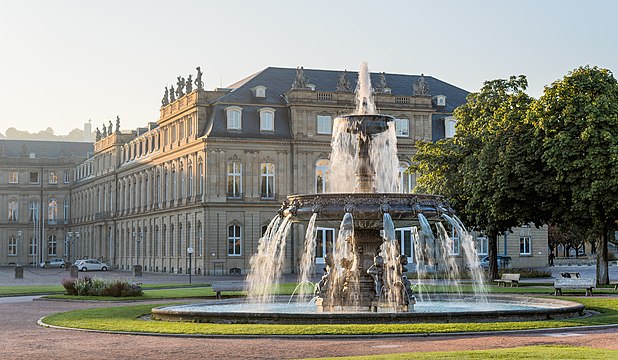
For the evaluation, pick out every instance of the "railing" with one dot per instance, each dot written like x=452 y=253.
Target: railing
x=324 y=96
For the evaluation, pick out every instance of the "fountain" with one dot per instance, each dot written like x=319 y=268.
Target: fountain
x=365 y=278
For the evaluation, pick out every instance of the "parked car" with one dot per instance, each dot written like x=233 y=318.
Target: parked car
x=503 y=261
x=90 y=265
x=56 y=262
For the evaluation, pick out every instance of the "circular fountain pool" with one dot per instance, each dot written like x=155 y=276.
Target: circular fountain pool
x=498 y=308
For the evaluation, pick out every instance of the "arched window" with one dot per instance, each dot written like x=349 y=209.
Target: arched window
x=180 y=250
x=200 y=177
x=234 y=240
x=190 y=182
x=181 y=175
x=172 y=240
x=199 y=239
x=166 y=183
x=322 y=174
x=174 y=184
x=267 y=180
x=267 y=119
x=65 y=213
x=164 y=241
x=52 y=211
x=406 y=180
x=51 y=245
x=449 y=127
x=234 y=118
x=234 y=179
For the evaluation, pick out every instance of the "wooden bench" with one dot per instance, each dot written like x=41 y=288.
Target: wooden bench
x=512 y=279
x=218 y=286
x=574 y=283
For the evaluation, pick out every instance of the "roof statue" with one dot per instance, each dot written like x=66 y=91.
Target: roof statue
x=109 y=128
x=300 y=82
x=343 y=84
x=118 y=123
x=98 y=136
x=172 y=97
x=104 y=131
x=166 y=98
x=189 y=84
x=24 y=150
x=180 y=85
x=420 y=87
x=382 y=83
x=198 y=79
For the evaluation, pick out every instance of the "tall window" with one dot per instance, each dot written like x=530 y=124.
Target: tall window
x=234 y=118
x=182 y=182
x=53 y=177
x=179 y=240
x=166 y=186
x=525 y=245
x=325 y=124
x=172 y=240
x=406 y=244
x=322 y=175
x=200 y=177
x=455 y=247
x=12 y=245
x=164 y=241
x=449 y=127
x=32 y=246
x=67 y=176
x=482 y=244
x=156 y=241
x=199 y=239
x=13 y=177
x=34 y=177
x=190 y=182
x=324 y=241
x=267 y=177
x=405 y=179
x=52 y=211
x=234 y=179
x=174 y=184
x=402 y=127
x=234 y=240
x=34 y=212
x=13 y=211
x=267 y=120
x=66 y=208
x=51 y=245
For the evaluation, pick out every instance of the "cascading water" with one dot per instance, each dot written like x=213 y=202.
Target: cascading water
x=307 y=260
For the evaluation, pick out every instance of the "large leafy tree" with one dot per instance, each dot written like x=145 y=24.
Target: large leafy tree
x=577 y=125
x=489 y=169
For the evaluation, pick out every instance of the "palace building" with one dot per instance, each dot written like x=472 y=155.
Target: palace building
x=211 y=173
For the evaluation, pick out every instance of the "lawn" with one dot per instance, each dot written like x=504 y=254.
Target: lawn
x=57 y=290
x=127 y=318
x=527 y=352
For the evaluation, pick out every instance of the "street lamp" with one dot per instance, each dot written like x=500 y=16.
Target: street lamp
x=18 y=243
x=138 y=240
x=190 y=252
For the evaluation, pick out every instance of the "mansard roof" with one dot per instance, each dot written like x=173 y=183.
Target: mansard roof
x=278 y=81
x=12 y=148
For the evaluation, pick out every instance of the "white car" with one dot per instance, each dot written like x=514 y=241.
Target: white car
x=57 y=262
x=90 y=265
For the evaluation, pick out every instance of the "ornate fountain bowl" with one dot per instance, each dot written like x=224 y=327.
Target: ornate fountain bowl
x=366 y=208
x=367 y=124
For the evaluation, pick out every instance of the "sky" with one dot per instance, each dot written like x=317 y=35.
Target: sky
x=64 y=62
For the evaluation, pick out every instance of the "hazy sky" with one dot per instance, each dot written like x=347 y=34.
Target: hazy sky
x=64 y=62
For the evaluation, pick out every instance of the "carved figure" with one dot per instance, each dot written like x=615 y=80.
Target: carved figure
x=98 y=136
x=118 y=122
x=376 y=271
x=420 y=87
x=198 y=79
x=300 y=82
x=172 y=97
x=382 y=83
x=103 y=131
x=166 y=98
x=189 y=84
x=180 y=85
x=343 y=84
x=109 y=128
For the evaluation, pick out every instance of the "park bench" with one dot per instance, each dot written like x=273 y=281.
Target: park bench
x=230 y=285
x=574 y=283
x=512 y=279
x=570 y=275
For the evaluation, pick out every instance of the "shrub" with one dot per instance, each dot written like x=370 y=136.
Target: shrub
x=86 y=286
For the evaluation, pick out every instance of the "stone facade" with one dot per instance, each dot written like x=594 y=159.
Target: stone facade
x=212 y=171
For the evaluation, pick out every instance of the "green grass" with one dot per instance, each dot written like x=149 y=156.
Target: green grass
x=24 y=290
x=127 y=318
x=526 y=352
x=155 y=294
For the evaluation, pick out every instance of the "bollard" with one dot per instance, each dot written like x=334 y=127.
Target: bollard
x=137 y=270
x=74 y=271
x=19 y=272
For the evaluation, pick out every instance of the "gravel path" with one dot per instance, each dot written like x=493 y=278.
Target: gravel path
x=22 y=338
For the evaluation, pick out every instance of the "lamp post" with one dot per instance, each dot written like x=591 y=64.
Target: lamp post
x=75 y=246
x=18 y=243
x=190 y=252
x=67 y=244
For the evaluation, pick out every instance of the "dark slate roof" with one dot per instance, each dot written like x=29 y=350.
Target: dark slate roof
x=45 y=149
x=279 y=81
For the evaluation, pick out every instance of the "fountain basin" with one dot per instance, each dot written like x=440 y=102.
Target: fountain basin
x=367 y=208
x=499 y=308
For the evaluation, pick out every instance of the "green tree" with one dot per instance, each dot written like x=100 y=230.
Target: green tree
x=577 y=124
x=488 y=170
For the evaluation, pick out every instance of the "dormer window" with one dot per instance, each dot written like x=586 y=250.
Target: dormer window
x=440 y=100
x=234 y=118
x=259 y=91
x=267 y=119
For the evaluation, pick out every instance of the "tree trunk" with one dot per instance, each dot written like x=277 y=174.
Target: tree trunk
x=492 y=252
x=602 y=258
